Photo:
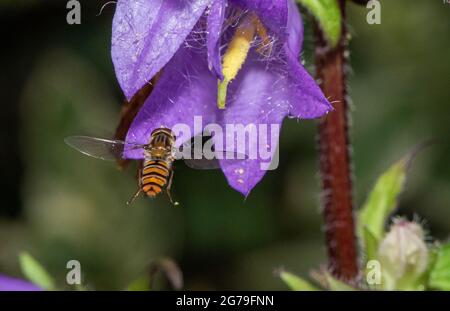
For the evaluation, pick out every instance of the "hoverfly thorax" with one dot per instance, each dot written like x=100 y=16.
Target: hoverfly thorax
x=161 y=143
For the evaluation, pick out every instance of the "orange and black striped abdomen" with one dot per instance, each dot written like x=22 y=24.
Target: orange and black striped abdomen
x=154 y=177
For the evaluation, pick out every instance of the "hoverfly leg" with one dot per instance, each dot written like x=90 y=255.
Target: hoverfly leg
x=139 y=176
x=168 y=188
x=131 y=200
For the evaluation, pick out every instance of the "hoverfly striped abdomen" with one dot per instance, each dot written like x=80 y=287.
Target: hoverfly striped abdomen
x=157 y=171
x=155 y=176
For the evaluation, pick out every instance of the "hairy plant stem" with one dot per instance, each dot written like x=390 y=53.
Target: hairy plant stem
x=334 y=157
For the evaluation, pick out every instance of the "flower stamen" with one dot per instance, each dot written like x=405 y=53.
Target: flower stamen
x=235 y=56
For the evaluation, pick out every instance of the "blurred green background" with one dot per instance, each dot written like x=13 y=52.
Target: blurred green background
x=58 y=80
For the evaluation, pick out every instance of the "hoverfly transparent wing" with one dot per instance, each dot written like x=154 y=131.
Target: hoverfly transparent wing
x=100 y=148
x=194 y=157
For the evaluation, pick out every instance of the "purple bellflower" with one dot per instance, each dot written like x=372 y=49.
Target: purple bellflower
x=11 y=284
x=227 y=61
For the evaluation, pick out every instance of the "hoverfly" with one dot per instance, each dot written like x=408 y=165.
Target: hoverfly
x=159 y=154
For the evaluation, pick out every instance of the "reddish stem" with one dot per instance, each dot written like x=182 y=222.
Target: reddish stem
x=335 y=158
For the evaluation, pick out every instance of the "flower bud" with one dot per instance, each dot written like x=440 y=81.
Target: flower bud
x=403 y=256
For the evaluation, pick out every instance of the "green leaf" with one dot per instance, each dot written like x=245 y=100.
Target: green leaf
x=328 y=15
x=34 y=272
x=370 y=244
x=440 y=272
x=370 y=247
x=382 y=200
x=296 y=283
x=337 y=285
x=140 y=284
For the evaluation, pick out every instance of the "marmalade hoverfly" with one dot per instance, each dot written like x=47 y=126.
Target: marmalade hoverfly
x=159 y=154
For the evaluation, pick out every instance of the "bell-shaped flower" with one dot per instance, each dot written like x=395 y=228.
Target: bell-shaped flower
x=233 y=64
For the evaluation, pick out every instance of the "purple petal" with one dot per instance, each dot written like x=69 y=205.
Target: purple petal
x=186 y=89
x=295 y=28
x=258 y=96
x=146 y=34
x=306 y=98
x=12 y=284
x=272 y=13
x=213 y=32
